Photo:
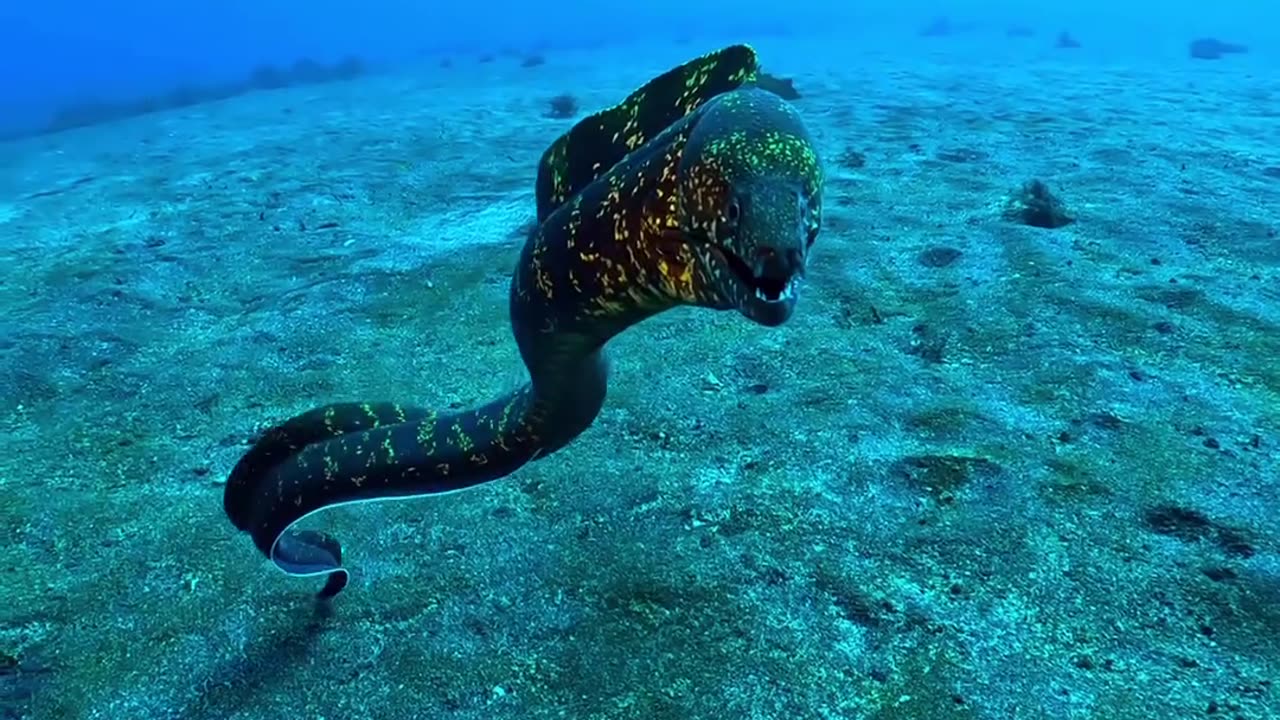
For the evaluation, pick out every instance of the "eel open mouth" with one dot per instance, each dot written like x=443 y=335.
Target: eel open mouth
x=766 y=295
x=767 y=292
x=768 y=285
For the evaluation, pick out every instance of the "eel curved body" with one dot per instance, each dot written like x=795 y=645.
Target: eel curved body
x=698 y=189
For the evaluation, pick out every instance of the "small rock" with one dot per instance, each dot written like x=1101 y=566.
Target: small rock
x=938 y=256
x=1034 y=205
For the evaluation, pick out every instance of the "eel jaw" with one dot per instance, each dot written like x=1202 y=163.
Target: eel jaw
x=765 y=293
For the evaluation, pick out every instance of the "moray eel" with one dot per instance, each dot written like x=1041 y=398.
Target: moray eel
x=698 y=189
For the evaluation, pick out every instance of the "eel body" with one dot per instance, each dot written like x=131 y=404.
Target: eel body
x=698 y=189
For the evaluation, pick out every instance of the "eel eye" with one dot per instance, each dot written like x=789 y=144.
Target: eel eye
x=733 y=212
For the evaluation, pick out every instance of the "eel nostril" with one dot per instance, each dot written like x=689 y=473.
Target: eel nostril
x=765 y=254
x=772 y=261
x=767 y=262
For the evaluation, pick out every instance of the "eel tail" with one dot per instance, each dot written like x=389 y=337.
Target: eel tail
x=357 y=452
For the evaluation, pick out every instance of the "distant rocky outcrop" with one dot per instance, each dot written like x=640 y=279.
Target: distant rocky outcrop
x=784 y=88
x=938 y=27
x=263 y=77
x=1208 y=48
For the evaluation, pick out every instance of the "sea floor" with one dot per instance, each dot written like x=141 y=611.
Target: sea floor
x=987 y=471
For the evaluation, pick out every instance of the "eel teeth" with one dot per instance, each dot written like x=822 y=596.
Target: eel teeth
x=788 y=292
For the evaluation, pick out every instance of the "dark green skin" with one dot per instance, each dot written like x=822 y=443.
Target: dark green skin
x=725 y=200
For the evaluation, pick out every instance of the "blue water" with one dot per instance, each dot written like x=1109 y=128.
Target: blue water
x=1015 y=456
x=65 y=51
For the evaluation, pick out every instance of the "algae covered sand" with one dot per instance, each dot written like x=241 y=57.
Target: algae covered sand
x=987 y=471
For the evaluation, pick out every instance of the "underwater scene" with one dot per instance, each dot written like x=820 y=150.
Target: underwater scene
x=676 y=361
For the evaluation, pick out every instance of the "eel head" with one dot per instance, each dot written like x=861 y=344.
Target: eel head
x=750 y=203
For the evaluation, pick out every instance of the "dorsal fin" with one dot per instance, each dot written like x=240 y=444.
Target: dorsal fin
x=597 y=142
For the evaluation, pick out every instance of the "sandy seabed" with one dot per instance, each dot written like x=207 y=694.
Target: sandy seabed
x=987 y=471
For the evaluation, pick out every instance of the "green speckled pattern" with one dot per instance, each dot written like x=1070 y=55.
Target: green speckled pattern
x=599 y=141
